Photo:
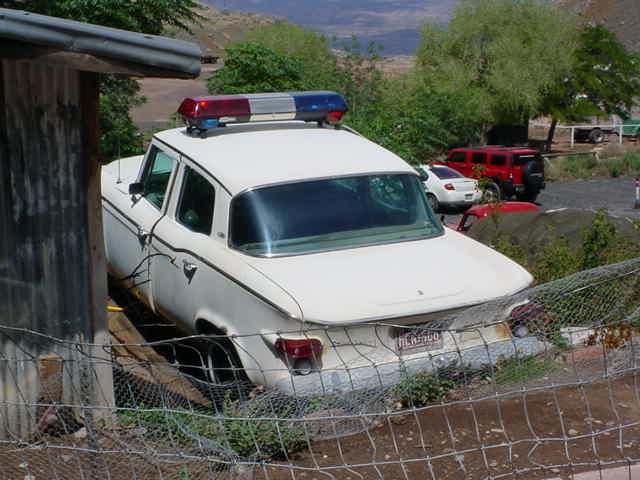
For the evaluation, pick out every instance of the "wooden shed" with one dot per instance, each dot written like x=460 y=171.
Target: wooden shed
x=52 y=269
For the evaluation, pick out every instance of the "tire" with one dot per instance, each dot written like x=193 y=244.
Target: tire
x=491 y=193
x=433 y=201
x=596 y=136
x=222 y=362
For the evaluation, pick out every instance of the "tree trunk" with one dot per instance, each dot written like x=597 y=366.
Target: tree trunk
x=550 y=135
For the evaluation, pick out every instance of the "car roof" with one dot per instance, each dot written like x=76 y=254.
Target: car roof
x=497 y=148
x=504 y=207
x=246 y=156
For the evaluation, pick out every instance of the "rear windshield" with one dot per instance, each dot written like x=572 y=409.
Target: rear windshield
x=331 y=214
x=444 y=173
x=521 y=159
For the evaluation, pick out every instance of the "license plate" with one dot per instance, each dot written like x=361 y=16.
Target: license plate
x=419 y=340
x=468 y=196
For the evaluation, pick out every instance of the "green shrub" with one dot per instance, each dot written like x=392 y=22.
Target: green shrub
x=421 y=388
x=237 y=429
x=521 y=369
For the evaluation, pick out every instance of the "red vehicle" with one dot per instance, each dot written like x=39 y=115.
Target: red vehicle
x=481 y=211
x=514 y=171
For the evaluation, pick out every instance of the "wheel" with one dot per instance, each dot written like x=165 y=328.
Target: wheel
x=596 y=136
x=433 y=201
x=491 y=193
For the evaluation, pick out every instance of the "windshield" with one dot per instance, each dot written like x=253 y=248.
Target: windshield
x=330 y=214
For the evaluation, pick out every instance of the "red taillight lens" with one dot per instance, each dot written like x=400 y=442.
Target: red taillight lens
x=215 y=107
x=334 y=116
x=449 y=186
x=306 y=348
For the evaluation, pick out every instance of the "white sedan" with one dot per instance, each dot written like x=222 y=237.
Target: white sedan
x=307 y=256
x=449 y=188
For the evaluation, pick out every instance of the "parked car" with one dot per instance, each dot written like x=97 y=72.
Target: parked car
x=447 y=187
x=480 y=211
x=512 y=171
x=308 y=255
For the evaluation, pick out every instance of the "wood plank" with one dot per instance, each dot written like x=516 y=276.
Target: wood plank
x=145 y=363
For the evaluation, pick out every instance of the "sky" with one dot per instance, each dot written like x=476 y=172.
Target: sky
x=391 y=23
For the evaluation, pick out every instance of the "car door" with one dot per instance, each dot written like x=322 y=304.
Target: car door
x=478 y=166
x=128 y=236
x=180 y=277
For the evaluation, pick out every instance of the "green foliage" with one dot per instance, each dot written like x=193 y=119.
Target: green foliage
x=317 y=61
x=504 y=54
x=521 y=369
x=604 y=79
x=422 y=388
x=555 y=260
x=236 y=428
x=118 y=134
x=253 y=68
x=598 y=240
x=142 y=16
x=261 y=438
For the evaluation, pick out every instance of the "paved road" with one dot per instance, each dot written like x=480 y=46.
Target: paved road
x=617 y=195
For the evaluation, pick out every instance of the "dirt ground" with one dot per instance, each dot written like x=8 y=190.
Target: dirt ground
x=520 y=436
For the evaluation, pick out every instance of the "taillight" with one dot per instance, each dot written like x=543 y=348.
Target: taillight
x=449 y=186
x=309 y=347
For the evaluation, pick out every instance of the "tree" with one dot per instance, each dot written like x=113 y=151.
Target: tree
x=502 y=53
x=313 y=50
x=604 y=80
x=250 y=67
x=118 y=93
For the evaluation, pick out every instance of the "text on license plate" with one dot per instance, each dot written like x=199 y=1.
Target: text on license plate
x=468 y=195
x=420 y=339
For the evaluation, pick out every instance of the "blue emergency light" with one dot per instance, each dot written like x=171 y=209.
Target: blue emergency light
x=205 y=113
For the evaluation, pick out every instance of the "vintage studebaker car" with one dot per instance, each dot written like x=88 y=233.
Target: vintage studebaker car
x=303 y=250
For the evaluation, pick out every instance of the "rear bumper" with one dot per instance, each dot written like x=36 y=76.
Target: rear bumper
x=373 y=377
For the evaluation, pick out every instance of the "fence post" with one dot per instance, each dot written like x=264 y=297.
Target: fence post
x=620 y=135
x=572 y=130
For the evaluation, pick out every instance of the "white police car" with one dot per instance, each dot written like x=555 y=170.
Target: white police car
x=307 y=246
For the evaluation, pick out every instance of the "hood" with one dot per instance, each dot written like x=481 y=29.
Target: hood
x=394 y=280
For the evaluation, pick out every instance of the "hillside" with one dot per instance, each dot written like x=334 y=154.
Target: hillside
x=620 y=16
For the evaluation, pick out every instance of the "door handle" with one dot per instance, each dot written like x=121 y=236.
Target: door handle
x=143 y=235
x=189 y=268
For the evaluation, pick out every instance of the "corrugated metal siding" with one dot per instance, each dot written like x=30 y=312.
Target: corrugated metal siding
x=44 y=254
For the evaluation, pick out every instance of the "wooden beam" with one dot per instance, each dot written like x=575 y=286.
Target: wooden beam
x=103 y=394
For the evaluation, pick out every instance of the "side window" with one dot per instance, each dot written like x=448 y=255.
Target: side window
x=195 y=210
x=498 y=160
x=478 y=158
x=156 y=177
x=458 y=157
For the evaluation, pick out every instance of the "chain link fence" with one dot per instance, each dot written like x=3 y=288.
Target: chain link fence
x=548 y=391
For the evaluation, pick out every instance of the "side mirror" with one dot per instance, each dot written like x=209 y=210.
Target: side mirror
x=424 y=176
x=136 y=188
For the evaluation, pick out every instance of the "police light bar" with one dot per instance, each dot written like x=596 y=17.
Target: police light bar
x=205 y=113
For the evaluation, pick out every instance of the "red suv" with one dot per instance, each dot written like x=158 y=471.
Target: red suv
x=513 y=171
